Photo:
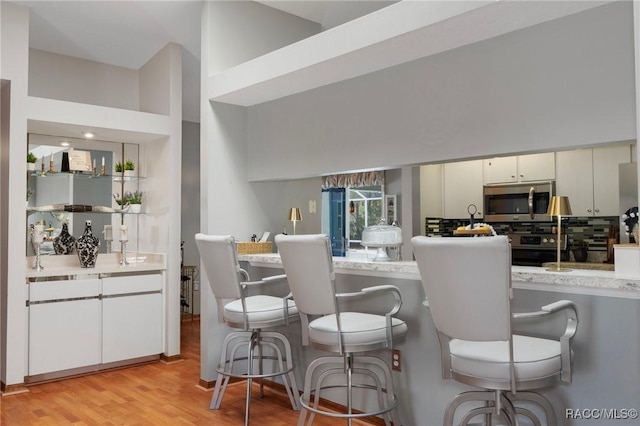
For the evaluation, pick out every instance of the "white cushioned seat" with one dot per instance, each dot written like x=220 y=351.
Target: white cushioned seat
x=471 y=308
x=259 y=308
x=357 y=328
x=533 y=358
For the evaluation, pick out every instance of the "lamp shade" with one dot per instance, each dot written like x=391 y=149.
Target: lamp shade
x=559 y=206
x=294 y=214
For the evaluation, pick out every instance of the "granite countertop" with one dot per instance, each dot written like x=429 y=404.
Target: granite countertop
x=55 y=266
x=582 y=265
x=588 y=281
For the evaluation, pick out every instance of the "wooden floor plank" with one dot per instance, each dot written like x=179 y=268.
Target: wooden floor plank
x=155 y=394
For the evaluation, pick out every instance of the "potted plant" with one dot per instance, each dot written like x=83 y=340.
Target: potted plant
x=135 y=200
x=129 y=167
x=121 y=201
x=118 y=167
x=131 y=199
x=31 y=161
x=30 y=192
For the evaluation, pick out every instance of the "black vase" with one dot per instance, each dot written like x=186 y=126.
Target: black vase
x=87 y=247
x=65 y=162
x=580 y=254
x=65 y=242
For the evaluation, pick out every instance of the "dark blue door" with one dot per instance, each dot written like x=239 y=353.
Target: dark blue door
x=337 y=234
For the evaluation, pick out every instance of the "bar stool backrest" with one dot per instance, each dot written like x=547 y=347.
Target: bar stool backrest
x=309 y=266
x=220 y=261
x=467 y=282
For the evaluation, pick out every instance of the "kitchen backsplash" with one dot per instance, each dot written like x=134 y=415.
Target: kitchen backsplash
x=593 y=230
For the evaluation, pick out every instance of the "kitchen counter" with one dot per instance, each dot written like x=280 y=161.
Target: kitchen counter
x=582 y=265
x=582 y=281
x=69 y=265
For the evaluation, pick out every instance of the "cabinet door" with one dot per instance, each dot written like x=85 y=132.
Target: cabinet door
x=606 y=185
x=536 y=167
x=462 y=186
x=132 y=327
x=64 y=325
x=574 y=173
x=63 y=335
x=131 y=323
x=431 y=191
x=500 y=170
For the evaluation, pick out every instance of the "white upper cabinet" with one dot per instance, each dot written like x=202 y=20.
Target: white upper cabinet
x=589 y=177
x=521 y=168
x=431 y=190
x=462 y=187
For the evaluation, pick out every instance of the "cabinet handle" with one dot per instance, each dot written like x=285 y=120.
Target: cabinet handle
x=513 y=176
x=589 y=210
x=522 y=175
x=597 y=210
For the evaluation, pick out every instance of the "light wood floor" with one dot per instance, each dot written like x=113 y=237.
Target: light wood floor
x=153 y=394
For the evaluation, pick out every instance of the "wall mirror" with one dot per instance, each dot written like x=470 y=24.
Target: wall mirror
x=60 y=183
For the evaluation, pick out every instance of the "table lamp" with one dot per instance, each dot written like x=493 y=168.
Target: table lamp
x=559 y=206
x=294 y=216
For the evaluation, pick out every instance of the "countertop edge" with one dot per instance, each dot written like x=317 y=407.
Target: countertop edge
x=596 y=282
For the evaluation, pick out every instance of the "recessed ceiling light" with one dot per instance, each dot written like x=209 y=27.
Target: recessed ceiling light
x=88 y=135
x=64 y=143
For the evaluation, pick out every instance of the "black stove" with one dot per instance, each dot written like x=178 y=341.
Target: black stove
x=536 y=249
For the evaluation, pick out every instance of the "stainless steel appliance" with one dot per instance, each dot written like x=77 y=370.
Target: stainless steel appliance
x=518 y=202
x=536 y=249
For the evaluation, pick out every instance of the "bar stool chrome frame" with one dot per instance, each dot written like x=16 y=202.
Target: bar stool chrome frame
x=309 y=267
x=251 y=314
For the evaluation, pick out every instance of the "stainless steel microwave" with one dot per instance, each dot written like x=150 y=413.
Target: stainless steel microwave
x=518 y=202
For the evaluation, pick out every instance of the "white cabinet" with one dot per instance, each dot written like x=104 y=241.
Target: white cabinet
x=64 y=325
x=89 y=322
x=462 y=187
x=589 y=177
x=431 y=191
x=521 y=168
x=131 y=317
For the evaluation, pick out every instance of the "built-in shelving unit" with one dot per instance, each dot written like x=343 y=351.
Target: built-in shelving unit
x=50 y=100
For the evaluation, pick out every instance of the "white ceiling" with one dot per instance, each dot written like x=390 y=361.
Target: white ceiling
x=129 y=33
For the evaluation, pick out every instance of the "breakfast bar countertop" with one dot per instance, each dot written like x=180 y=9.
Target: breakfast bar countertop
x=583 y=281
x=582 y=265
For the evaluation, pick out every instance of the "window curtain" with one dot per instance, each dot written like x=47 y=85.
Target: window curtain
x=353 y=180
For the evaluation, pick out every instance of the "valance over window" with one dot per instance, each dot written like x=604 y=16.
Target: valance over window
x=353 y=180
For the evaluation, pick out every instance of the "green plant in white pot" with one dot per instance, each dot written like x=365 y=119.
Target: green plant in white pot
x=31 y=161
x=129 y=168
x=135 y=201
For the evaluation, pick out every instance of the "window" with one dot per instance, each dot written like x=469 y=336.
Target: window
x=365 y=209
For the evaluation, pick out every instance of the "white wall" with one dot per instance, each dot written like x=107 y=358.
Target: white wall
x=276 y=198
x=154 y=84
x=66 y=78
x=242 y=30
x=5 y=102
x=14 y=42
x=564 y=83
x=233 y=32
